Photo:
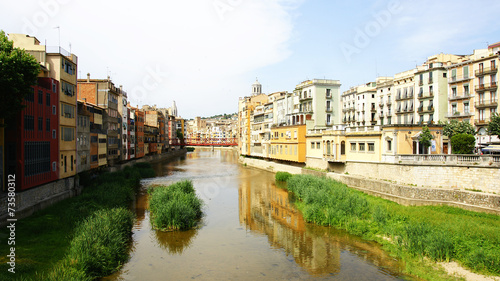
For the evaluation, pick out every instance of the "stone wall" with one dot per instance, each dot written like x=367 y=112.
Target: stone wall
x=365 y=174
x=486 y=179
x=38 y=198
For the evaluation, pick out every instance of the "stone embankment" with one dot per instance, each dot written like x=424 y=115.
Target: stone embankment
x=405 y=194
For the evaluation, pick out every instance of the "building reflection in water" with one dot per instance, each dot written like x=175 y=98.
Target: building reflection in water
x=266 y=209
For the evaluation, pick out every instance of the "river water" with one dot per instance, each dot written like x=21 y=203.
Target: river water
x=250 y=231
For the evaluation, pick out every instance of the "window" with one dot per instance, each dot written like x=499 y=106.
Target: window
x=29 y=123
x=47 y=125
x=312 y=145
x=444 y=75
x=54 y=110
x=68 y=89
x=36 y=158
x=454 y=91
x=67 y=134
x=40 y=97
x=353 y=146
x=318 y=145
x=47 y=99
x=371 y=147
x=466 y=107
x=466 y=72
x=466 y=90
x=68 y=67
x=67 y=111
x=342 y=148
x=54 y=134
x=40 y=123
x=389 y=145
x=361 y=146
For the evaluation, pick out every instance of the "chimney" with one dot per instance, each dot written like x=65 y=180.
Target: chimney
x=88 y=77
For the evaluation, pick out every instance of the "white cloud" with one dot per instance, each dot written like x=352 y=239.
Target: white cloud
x=202 y=53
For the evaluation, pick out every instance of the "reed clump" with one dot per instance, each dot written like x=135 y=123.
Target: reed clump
x=174 y=207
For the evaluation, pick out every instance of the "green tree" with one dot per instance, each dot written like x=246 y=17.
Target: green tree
x=494 y=125
x=463 y=144
x=454 y=127
x=425 y=137
x=18 y=72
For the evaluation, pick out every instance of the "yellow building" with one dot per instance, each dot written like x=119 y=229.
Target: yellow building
x=288 y=143
x=62 y=66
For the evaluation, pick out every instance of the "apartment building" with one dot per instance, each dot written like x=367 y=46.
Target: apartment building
x=105 y=94
x=319 y=103
x=485 y=67
x=60 y=65
x=384 y=96
x=404 y=89
x=246 y=107
x=83 y=136
x=32 y=140
x=460 y=85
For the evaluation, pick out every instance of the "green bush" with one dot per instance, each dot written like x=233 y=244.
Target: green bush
x=282 y=176
x=174 y=207
x=463 y=144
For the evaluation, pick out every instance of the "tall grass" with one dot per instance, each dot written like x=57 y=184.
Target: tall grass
x=80 y=238
x=437 y=232
x=174 y=207
x=282 y=176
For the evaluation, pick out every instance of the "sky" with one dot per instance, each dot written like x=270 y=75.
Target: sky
x=205 y=54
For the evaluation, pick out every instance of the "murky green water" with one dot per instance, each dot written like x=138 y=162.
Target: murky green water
x=250 y=231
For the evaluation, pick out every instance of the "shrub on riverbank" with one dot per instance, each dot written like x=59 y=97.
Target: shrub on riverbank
x=437 y=232
x=282 y=176
x=174 y=207
x=78 y=238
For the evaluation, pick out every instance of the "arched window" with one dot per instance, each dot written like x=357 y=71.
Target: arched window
x=328 y=148
x=342 y=148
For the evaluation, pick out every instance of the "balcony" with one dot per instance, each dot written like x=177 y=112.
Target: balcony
x=328 y=109
x=460 y=96
x=388 y=114
x=486 y=103
x=486 y=87
x=482 y=121
x=458 y=114
x=381 y=104
x=305 y=98
x=457 y=79
x=431 y=80
x=485 y=71
x=421 y=82
x=426 y=95
x=388 y=103
x=373 y=109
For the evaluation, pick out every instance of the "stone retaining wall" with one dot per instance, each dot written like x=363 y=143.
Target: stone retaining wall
x=400 y=193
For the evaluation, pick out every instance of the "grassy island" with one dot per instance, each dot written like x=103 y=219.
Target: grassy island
x=174 y=207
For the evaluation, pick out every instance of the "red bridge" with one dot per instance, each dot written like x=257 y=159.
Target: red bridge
x=206 y=142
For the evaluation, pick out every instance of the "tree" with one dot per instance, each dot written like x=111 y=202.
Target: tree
x=18 y=72
x=425 y=137
x=454 y=127
x=463 y=144
x=494 y=125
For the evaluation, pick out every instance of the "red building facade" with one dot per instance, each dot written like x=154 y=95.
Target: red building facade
x=32 y=143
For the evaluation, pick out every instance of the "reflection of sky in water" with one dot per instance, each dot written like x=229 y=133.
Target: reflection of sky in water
x=249 y=231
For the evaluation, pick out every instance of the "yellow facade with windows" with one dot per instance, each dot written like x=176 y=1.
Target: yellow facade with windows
x=288 y=143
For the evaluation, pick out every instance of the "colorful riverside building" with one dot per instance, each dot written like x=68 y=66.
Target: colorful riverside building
x=32 y=139
x=60 y=65
x=103 y=93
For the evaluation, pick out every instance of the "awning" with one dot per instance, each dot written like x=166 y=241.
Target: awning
x=492 y=148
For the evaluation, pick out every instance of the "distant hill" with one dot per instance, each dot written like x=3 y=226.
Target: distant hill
x=222 y=116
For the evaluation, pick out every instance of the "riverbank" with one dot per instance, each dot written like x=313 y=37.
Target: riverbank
x=408 y=195
x=53 y=244
x=433 y=233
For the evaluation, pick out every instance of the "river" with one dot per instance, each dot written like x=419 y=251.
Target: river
x=250 y=231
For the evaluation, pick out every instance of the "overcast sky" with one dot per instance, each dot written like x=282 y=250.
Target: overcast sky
x=204 y=54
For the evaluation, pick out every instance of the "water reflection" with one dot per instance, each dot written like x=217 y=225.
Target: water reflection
x=175 y=242
x=250 y=231
x=267 y=209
